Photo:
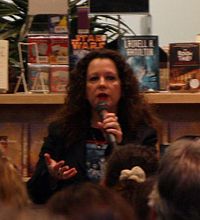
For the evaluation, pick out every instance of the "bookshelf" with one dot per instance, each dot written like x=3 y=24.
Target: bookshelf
x=32 y=98
x=52 y=99
x=178 y=112
x=173 y=98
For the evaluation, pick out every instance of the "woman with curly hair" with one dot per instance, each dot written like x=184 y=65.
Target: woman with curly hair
x=103 y=102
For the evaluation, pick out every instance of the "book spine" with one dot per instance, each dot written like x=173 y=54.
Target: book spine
x=4 y=66
x=25 y=149
x=83 y=20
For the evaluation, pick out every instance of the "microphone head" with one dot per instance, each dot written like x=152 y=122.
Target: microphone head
x=101 y=106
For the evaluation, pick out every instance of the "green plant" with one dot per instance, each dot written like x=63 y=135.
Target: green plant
x=12 y=17
x=112 y=26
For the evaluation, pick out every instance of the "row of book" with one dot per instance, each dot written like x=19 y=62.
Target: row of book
x=48 y=56
x=182 y=64
x=49 y=78
x=180 y=71
x=48 y=49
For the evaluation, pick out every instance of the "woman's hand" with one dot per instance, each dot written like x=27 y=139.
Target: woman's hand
x=111 y=125
x=58 y=170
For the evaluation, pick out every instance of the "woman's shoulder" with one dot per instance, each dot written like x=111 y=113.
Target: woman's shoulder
x=146 y=129
x=56 y=127
x=144 y=134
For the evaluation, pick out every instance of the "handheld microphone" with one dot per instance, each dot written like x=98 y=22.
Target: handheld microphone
x=102 y=109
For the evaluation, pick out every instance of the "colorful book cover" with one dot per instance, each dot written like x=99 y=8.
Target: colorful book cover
x=142 y=53
x=184 y=66
x=38 y=77
x=82 y=44
x=39 y=49
x=59 y=76
x=58 y=24
x=59 y=46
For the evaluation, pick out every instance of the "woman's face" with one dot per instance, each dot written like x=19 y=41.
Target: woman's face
x=103 y=83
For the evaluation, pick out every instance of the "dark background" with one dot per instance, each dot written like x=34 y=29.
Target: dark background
x=119 y=6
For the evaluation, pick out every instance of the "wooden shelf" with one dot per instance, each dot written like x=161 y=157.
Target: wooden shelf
x=173 y=98
x=22 y=98
x=153 y=98
x=178 y=112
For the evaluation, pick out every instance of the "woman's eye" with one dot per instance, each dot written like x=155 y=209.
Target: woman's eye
x=111 y=77
x=93 y=78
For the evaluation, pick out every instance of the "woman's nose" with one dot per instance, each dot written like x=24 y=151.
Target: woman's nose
x=102 y=81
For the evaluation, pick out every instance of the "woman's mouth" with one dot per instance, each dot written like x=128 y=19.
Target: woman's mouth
x=102 y=97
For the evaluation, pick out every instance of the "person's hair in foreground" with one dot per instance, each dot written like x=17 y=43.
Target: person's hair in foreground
x=88 y=201
x=177 y=193
x=12 y=188
x=132 y=108
x=8 y=212
x=131 y=171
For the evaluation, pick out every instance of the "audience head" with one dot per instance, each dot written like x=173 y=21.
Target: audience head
x=130 y=171
x=127 y=157
x=12 y=188
x=90 y=201
x=27 y=213
x=177 y=193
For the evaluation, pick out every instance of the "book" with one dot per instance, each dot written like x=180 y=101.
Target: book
x=83 y=22
x=38 y=77
x=59 y=49
x=58 y=24
x=4 y=47
x=11 y=135
x=82 y=44
x=184 y=66
x=142 y=53
x=59 y=76
x=39 y=49
x=25 y=149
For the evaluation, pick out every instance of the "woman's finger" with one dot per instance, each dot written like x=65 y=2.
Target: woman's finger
x=47 y=159
x=69 y=173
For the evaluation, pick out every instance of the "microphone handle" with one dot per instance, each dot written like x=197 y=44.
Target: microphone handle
x=111 y=139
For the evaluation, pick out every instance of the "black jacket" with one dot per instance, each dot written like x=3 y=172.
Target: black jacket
x=42 y=186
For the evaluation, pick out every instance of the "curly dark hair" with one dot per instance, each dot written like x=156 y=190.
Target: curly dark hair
x=132 y=107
